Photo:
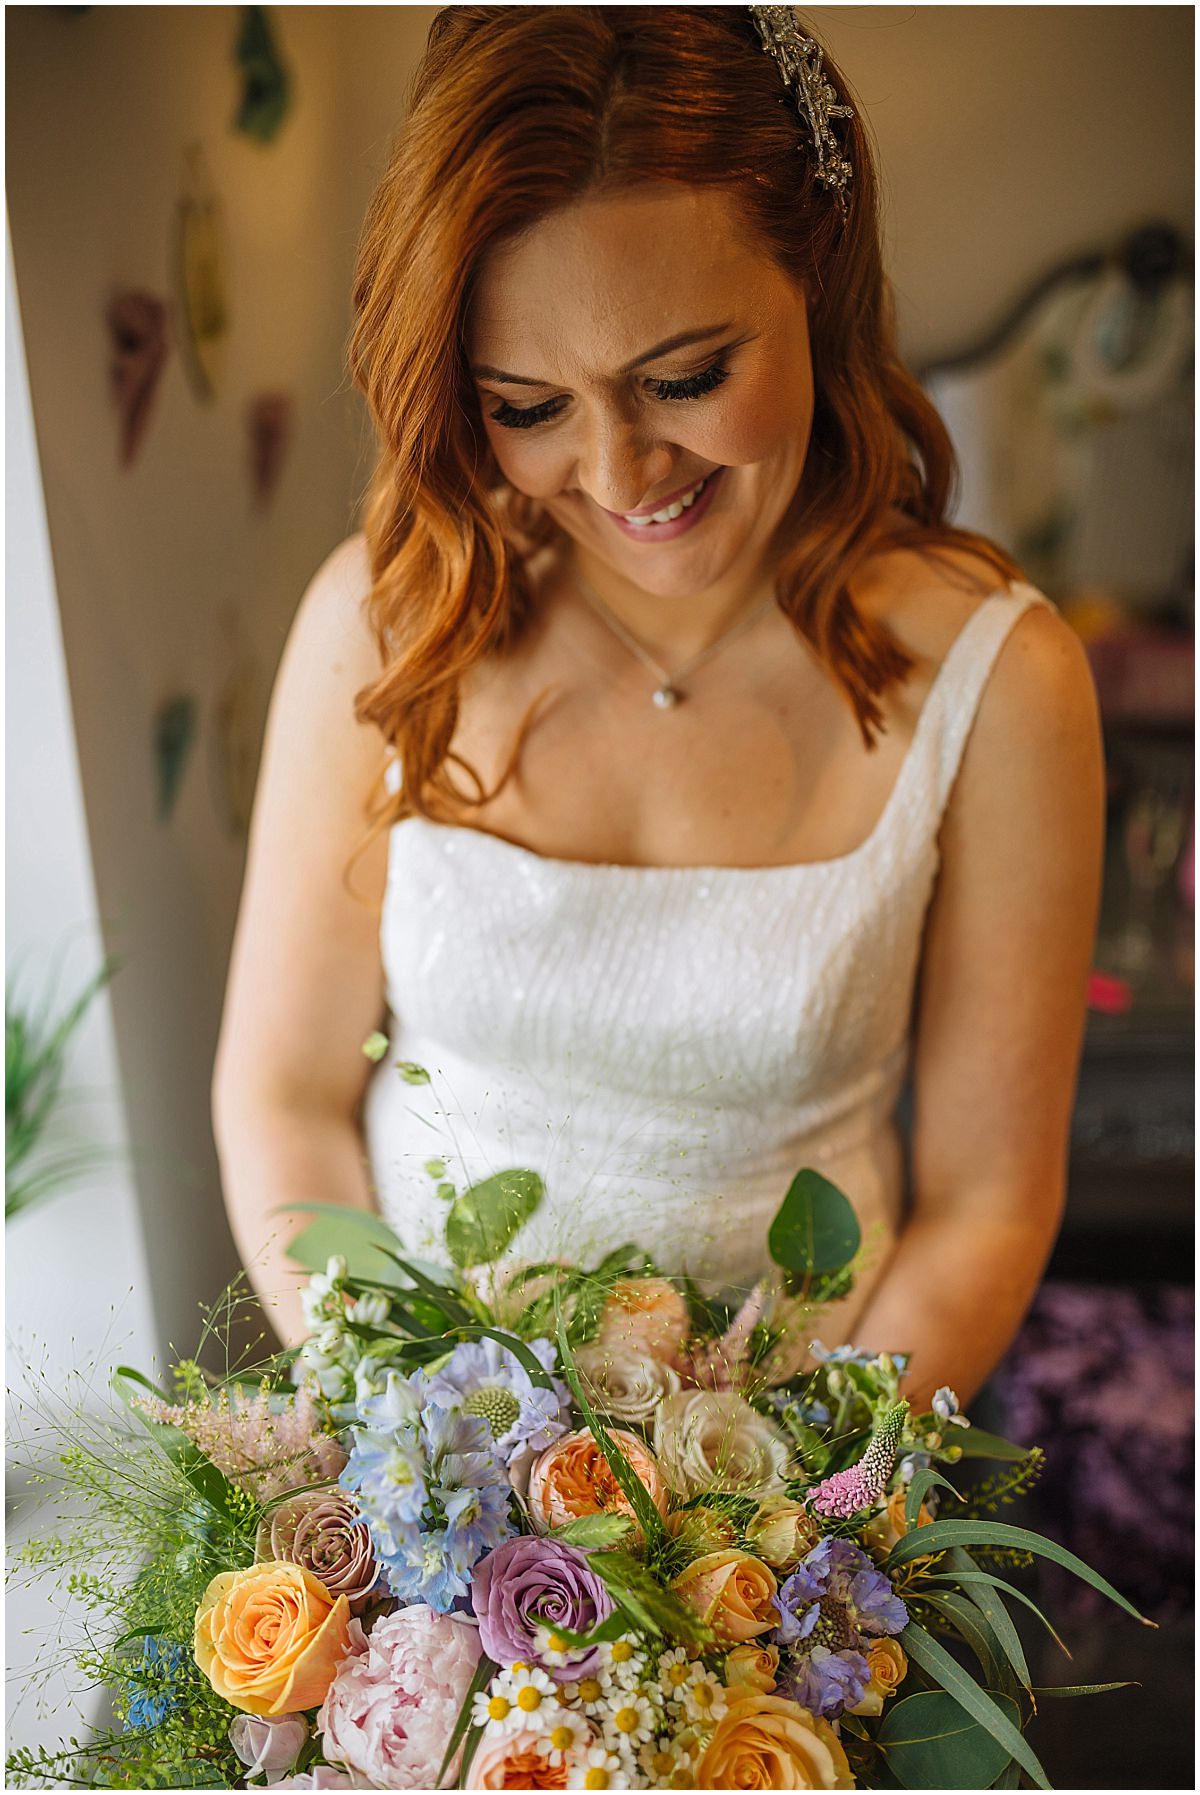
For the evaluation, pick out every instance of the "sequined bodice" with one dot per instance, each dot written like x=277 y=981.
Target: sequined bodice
x=665 y=1045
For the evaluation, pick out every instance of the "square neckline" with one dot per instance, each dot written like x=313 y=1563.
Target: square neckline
x=882 y=822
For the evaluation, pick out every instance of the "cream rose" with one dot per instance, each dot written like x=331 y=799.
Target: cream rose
x=713 y=1440
x=625 y=1383
x=732 y=1592
x=765 y=1742
x=645 y=1315
x=888 y=1664
x=269 y=1639
x=782 y=1532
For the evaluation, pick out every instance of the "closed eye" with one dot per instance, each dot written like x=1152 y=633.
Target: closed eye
x=695 y=386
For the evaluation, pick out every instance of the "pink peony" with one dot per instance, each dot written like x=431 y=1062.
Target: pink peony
x=393 y=1704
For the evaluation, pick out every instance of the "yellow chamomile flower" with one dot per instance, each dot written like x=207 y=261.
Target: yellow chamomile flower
x=704 y=1697
x=553 y=1649
x=599 y=1768
x=594 y=1689
x=567 y=1736
x=658 y=1758
x=629 y=1720
x=518 y=1700
x=625 y=1659
x=674 y=1673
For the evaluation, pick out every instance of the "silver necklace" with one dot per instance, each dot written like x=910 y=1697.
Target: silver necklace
x=669 y=691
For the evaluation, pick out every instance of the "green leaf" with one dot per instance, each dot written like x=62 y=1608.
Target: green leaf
x=1073 y=1689
x=441 y=1296
x=436 y=1168
x=612 y=1628
x=985 y=1577
x=375 y=1046
x=485 y=1670
x=635 y=1491
x=485 y=1218
x=209 y=1484
x=537 y=1371
x=816 y=1229
x=995 y=1615
x=923 y=1481
x=649 y=1605
x=975 y=1443
x=936 y=1661
x=964 y=1617
x=944 y=1534
x=930 y=1743
x=411 y=1073
x=593 y=1533
x=356 y=1234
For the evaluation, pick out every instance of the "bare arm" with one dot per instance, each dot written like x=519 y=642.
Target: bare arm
x=1001 y=1012
x=305 y=982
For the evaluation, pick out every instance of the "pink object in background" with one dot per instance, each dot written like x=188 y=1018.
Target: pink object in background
x=1111 y=996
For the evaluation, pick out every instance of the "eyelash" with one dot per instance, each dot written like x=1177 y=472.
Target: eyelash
x=696 y=386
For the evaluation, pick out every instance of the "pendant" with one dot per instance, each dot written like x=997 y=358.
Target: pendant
x=667 y=697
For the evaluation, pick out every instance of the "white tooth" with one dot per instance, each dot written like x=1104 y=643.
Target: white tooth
x=672 y=511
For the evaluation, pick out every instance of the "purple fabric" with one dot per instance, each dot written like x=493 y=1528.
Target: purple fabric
x=526 y=1583
x=1101 y=1377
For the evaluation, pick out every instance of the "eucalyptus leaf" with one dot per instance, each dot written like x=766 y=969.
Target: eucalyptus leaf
x=974 y=1442
x=922 y=1482
x=815 y=1229
x=929 y=1742
x=937 y=1663
x=537 y=1371
x=996 y=1618
x=944 y=1534
x=484 y=1219
x=967 y=1622
x=356 y=1234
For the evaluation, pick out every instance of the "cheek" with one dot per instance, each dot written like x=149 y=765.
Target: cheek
x=765 y=421
x=530 y=462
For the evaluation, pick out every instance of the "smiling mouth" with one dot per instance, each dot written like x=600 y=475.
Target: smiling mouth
x=669 y=512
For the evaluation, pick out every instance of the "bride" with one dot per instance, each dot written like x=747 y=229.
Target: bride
x=657 y=767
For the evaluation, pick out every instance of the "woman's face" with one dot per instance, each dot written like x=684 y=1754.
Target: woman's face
x=629 y=348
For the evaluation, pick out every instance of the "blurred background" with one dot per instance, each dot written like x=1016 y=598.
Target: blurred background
x=185 y=188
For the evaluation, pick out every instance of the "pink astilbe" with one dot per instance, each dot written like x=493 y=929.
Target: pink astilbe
x=848 y=1492
x=264 y=1450
x=725 y=1364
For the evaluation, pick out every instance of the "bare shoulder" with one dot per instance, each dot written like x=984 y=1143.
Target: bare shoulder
x=331 y=624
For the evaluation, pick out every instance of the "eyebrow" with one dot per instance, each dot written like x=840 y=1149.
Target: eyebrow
x=482 y=371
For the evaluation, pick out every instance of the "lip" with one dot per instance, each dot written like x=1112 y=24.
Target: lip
x=678 y=526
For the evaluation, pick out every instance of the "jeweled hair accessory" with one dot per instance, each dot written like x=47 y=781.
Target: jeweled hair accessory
x=799 y=59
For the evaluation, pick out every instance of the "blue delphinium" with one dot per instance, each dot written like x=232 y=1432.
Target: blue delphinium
x=831 y=1604
x=151 y=1693
x=486 y=1380
x=430 y=1486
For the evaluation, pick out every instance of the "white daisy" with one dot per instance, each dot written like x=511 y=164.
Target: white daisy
x=599 y=1768
x=630 y=1719
x=704 y=1697
x=568 y=1736
x=553 y=1649
x=626 y=1660
x=517 y=1700
x=674 y=1673
x=594 y=1689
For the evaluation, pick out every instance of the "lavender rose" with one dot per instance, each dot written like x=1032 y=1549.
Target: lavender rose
x=527 y=1585
x=268 y=1744
x=393 y=1704
x=323 y=1532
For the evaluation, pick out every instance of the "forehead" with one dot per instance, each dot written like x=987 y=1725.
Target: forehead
x=599 y=282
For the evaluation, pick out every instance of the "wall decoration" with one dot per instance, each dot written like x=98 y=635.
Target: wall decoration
x=137 y=329
x=269 y=422
x=174 y=730
x=200 y=261
x=266 y=83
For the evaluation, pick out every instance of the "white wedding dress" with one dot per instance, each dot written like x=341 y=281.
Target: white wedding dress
x=666 y=1046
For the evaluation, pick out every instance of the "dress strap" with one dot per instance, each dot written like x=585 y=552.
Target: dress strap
x=961 y=679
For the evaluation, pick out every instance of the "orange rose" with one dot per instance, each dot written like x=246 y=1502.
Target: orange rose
x=752 y=1668
x=648 y=1314
x=888 y=1664
x=269 y=1639
x=573 y=1478
x=884 y=1529
x=732 y=1592
x=764 y=1742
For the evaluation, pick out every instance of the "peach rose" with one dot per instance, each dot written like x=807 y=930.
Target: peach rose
x=752 y=1668
x=701 y=1530
x=883 y=1530
x=646 y=1314
x=732 y=1592
x=517 y=1761
x=573 y=1478
x=764 y=1742
x=888 y=1664
x=269 y=1638
x=782 y=1532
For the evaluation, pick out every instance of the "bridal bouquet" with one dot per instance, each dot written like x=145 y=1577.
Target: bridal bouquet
x=566 y=1527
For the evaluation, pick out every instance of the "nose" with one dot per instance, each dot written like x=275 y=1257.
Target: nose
x=622 y=465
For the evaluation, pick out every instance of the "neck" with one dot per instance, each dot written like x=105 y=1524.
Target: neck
x=672 y=628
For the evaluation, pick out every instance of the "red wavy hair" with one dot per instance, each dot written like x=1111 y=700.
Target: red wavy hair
x=515 y=112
